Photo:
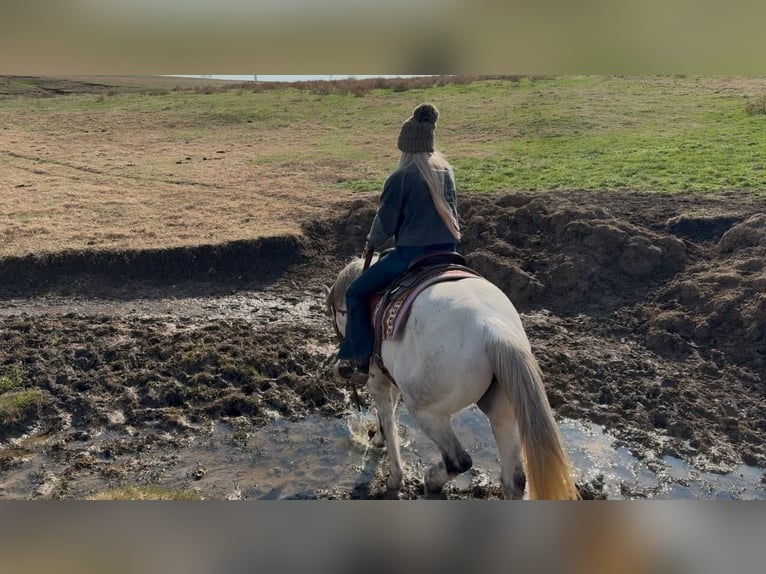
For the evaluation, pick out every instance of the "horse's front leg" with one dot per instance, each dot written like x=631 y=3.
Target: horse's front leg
x=385 y=396
x=378 y=439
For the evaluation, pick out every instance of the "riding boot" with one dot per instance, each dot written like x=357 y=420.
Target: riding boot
x=361 y=373
x=346 y=368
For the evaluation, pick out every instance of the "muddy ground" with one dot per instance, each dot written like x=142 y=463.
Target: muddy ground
x=646 y=312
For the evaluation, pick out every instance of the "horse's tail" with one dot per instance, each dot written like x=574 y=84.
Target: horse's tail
x=546 y=462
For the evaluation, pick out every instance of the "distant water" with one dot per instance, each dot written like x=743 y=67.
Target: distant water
x=289 y=78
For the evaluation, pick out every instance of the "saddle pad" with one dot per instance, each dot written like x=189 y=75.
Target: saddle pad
x=396 y=312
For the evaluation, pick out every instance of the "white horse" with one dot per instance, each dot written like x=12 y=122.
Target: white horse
x=463 y=344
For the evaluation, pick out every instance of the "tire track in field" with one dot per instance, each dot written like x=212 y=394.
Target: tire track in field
x=95 y=171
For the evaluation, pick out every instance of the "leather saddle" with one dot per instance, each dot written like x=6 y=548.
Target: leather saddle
x=391 y=307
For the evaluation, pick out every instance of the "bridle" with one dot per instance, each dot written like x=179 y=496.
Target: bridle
x=368 y=252
x=335 y=313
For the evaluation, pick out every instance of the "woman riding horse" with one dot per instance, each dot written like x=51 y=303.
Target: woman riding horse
x=418 y=209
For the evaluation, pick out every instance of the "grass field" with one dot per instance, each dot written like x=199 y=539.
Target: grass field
x=116 y=163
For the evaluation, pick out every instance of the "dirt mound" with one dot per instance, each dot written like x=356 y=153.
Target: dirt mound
x=749 y=233
x=700 y=228
x=569 y=252
x=718 y=307
x=568 y=258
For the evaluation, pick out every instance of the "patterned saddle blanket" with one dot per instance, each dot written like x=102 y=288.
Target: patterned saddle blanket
x=391 y=308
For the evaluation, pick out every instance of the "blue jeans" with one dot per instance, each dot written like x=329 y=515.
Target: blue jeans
x=358 y=343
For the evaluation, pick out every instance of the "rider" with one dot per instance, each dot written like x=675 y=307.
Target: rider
x=418 y=208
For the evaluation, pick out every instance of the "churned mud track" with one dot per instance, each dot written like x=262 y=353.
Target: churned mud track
x=647 y=314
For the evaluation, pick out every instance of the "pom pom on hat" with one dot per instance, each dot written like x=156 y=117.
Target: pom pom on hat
x=426 y=113
x=417 y=133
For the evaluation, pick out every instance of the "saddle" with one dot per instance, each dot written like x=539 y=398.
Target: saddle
x=391 y=307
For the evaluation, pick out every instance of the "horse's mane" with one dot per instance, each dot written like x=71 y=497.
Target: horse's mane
x=337 y=295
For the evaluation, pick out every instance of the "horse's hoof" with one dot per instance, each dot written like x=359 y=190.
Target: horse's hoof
x=394 y=484
x=434 y=494
x=377 y=439
x=433 y=490
x=435 y=479
x=392 y=495
x=432 y=487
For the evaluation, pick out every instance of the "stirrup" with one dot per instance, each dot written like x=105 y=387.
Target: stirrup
x=344 y=368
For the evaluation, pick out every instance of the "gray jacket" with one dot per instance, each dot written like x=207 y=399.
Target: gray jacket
x=407 y=211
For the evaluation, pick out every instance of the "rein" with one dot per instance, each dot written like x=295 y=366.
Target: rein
x=335 y=313
x=367 y=254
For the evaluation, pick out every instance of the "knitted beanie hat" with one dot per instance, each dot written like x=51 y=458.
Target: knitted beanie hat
x=417 y=133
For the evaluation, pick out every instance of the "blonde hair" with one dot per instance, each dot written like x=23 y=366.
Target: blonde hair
x=434 y=167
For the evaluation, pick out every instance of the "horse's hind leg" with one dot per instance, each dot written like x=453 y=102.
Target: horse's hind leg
x=498 y=408
x=455 y=460
x=385 y=396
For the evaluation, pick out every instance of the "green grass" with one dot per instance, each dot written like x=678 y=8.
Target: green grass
x=590 y=133
x=20 y=406
x=146 y=493
x=11 y=379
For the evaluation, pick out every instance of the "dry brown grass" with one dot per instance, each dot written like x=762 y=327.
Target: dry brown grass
x=39 y=85
x=124 y=181
x=73 y=192
x=757 y=104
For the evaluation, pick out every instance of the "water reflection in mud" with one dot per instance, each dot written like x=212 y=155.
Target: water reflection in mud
x=255 y=306
x=317 y=457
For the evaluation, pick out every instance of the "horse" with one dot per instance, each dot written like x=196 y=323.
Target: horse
x=464 y=344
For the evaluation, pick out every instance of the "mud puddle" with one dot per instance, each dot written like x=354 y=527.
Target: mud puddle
x=254 y=306
x=300 y=460
x=332 y=458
